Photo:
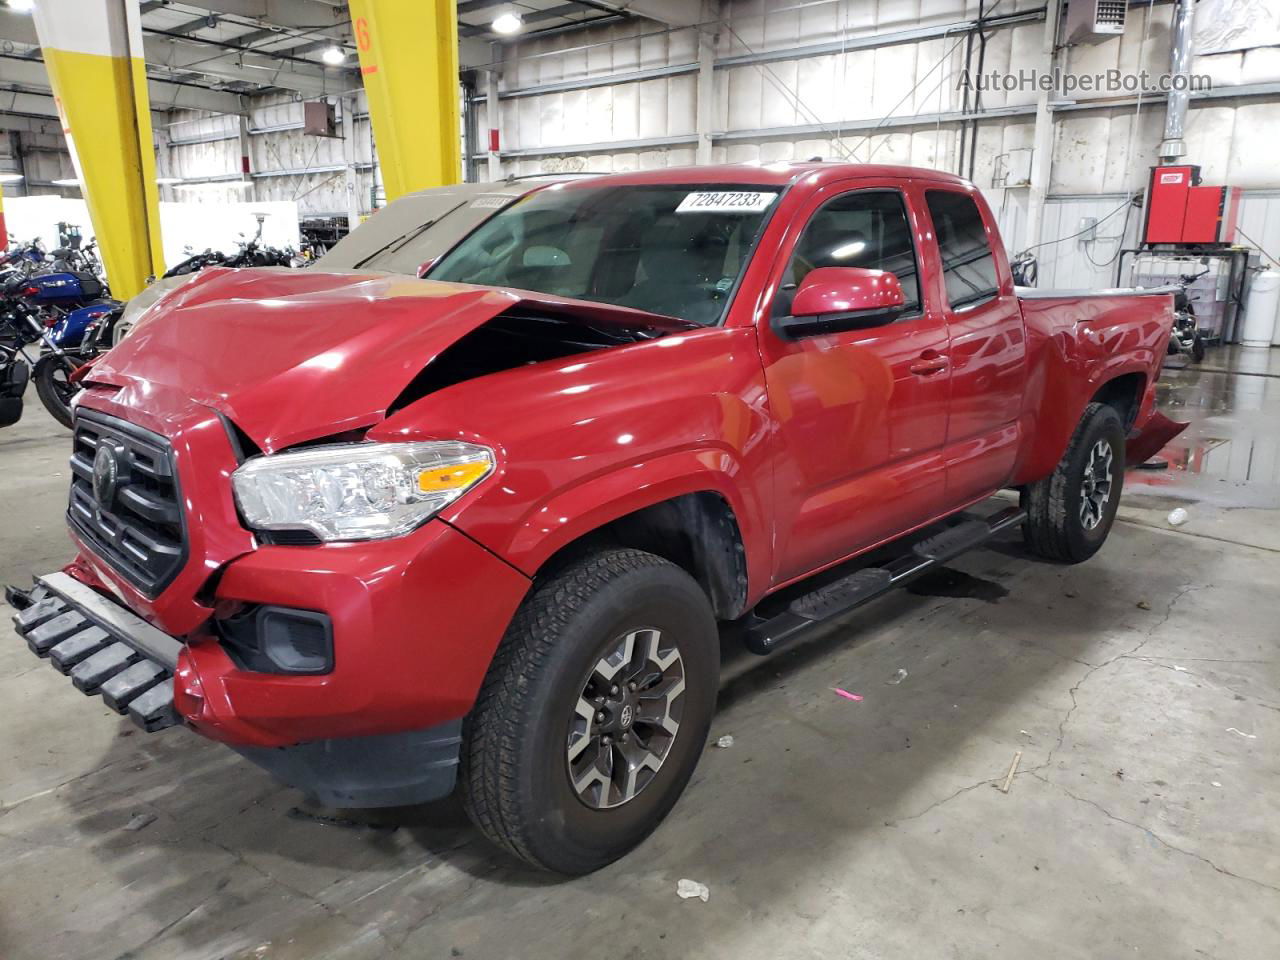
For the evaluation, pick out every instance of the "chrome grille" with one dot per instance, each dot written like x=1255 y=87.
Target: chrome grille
x=132 y=516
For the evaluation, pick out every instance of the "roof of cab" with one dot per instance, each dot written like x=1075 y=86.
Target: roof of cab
x=769 y=174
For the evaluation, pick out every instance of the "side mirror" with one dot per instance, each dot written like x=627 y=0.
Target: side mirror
x=834 y=299
x=426 y=265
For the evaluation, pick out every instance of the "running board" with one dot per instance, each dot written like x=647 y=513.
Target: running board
x=847 y=594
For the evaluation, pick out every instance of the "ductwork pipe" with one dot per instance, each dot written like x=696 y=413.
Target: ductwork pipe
x=1172 y=147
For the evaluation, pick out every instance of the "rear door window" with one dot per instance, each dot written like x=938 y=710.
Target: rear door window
x=968 y=267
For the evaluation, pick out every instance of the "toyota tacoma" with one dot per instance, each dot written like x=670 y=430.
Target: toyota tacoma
x=385 y=535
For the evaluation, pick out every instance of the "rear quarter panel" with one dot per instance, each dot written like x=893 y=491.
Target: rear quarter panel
x=593 y=437
x=1076 y=343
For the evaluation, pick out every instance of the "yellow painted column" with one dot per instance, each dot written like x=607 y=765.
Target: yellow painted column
x=409 y=59
x=93 y=52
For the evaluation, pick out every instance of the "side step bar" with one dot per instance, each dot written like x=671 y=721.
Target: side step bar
x=844 y=595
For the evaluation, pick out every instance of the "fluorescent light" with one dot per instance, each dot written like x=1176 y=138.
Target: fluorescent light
x=167 y=181
x=11 y=177
x=216 y=185
x=507 y=23
x=851 y=249
x=333 y=56
x=66 y=183
x=22 y=6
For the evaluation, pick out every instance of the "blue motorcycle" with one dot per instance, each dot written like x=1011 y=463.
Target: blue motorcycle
x=55 y=310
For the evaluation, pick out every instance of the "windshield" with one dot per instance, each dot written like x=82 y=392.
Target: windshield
x=672 y=250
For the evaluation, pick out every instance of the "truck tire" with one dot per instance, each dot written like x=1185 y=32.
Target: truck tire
x=1070 y=512
x=594 y=711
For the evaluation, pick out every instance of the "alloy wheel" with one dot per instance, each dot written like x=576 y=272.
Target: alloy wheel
x=1095 y=489
x=625 y=719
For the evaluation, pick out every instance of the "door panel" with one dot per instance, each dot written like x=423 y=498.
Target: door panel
x=861 y=416
x=987 y=351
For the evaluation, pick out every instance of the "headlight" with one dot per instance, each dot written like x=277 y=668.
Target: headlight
x=357 y=491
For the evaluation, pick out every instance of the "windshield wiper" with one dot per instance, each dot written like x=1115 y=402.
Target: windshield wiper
x=400 y=243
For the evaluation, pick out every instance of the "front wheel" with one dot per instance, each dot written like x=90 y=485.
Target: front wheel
x=54 y=387
x=1070 y=512
x=594 y=712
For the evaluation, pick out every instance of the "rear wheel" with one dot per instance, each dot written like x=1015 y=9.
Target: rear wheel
x=594 y=712
x=54 y=387
x=1070 y=512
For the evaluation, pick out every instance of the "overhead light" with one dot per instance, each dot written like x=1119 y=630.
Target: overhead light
x=11 y=177
x=507 y=23
x=22 y=6
x=72 y=182
x=167 y=181
x=850 y=249
x=334 y=56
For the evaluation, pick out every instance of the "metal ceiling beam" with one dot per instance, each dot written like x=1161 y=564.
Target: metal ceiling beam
x=534 y=16
x=200 y=23
x=311 y=79
x=32 y=75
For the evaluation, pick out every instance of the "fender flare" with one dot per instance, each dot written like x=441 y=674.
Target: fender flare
x=596 y=501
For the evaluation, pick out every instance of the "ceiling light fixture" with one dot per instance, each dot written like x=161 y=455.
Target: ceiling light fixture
x=167 y=181
x=69 y=182
x=11 y=177
x=22 y=6
x=334 y=56
x=507 y=23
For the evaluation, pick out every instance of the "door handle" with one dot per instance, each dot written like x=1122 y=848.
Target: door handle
x=929 y=364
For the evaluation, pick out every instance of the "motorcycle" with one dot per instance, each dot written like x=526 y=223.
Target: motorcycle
x=55 y=311
x=21 y=327
x=1185 y=339
x=252 y=253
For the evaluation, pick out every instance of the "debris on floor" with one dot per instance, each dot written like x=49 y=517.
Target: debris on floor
x=1177 y=517
x=1143 y=605
x=846 y=694
x=1247 y=736
x=725 y=742
x=140 y=820
x=688 y=889
x=898 y=676
x=1013 y=768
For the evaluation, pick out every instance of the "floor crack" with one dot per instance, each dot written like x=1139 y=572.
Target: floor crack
x=1155 y=836
x=1150 y=635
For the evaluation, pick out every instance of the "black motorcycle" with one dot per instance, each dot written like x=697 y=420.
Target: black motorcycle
x=1185 y=339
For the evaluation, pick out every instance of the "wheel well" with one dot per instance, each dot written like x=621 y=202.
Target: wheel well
x=698 y=532
x=1124 y=393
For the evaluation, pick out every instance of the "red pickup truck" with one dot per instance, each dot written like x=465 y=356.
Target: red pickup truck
x=383 y=534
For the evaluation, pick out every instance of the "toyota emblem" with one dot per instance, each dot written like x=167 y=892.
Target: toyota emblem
x=106 y=474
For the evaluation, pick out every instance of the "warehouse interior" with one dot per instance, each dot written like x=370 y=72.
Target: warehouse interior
x=1007 y=755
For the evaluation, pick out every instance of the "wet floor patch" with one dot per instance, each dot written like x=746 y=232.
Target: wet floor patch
x=946 y=582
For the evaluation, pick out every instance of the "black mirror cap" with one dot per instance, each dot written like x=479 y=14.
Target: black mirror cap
x=795 y=328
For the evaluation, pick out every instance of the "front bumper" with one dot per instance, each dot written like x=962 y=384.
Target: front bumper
x=106 y=650
x=101 y=646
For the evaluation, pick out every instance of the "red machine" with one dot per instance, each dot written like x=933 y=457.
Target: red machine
x=1181 y=211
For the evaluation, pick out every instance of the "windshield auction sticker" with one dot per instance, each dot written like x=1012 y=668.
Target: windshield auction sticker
x=726 y=201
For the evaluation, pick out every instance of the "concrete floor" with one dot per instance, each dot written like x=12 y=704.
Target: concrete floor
x=1142 y=688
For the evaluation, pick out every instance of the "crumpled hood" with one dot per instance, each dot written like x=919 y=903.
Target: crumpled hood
x=298 y=355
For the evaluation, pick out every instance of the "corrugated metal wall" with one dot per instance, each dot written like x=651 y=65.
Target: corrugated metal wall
x=285 y=163
x=1100 y=152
